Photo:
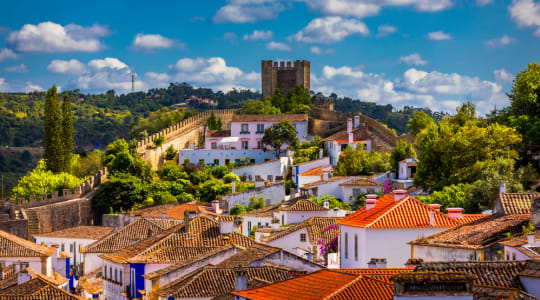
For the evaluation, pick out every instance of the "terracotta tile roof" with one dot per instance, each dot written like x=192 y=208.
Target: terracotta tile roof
x=9 y=278
x=173 y=211
x=56 y=279
x=249 y=255
x=475 y=235
x=433 y=276
x=517 y=203
x=151 y=211
x=301 y=204
x=226 y=218
x=211 y=281
x=360 y=182
x=82 y=232
x=383 y=274
x=218 y=133
x=267 y=211
x=532 y=269
x=364 y=287
x=317 y=171
x=36 y=289
x=92 y=286
x=360 y=133
x=14 y=246
x=130 y=234
x=321 y=182
x=405 y=213
x=484 y=292
x=270 y=118
x=492 y=273
x=317 y=285
x=468 y=218
x=314 y=227
x=520 y=240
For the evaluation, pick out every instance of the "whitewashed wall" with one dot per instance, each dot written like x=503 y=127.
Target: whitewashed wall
x=66 y=242
x=273 y=194
x=92 y=261
x=277 y=167
x=255 y=221
x=331 y=188
x=348 y=191
x=511 y=251
x=444 y=254
x=209 y=155
x=291 y=241
x=295 y=217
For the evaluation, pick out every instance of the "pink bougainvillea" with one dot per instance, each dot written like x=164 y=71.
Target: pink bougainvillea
x=387 y=186
x=329 y=242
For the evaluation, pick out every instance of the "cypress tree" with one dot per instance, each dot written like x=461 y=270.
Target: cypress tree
x=52 y=137
x=67 y=134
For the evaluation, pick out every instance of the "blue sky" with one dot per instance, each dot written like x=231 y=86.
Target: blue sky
x=434 y=53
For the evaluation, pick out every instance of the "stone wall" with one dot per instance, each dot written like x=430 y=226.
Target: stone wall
x=15 y=227
x=284 y=75
x=273 y=194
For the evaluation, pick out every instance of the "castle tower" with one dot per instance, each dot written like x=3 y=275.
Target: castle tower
x=284 y=76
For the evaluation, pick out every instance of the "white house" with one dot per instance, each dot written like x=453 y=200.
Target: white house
x=407 y=168
x=298 y=170
x=345 y=188
x=384 y=226
x=220 y=157
x=525 y=247
x=357 y=186
x=336 y=143
x=272 y=170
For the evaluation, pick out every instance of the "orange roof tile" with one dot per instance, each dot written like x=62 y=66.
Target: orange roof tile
x=315 y=172
x=405 y=213
x=468 y=218
x=383 y=274
x=364 y=287
x=83 y=232
x=517 y=203
x=14 y=246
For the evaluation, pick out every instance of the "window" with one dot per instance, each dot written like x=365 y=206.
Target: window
x=216 y=162
x=259 y=224
x=260 y=128
x=121 y=279
x=249 y=226
x=105 y=272
x=266 y=224
x=507 y=256
x=186 y=161
x=227 y=161
x=201 y=161
x=110 y=273
x=356 y=247
x=513 y=256
x=70 y=247
x=356 y=192
x=245 y=144
x=346 y=245
x=259 y=145
x=269 y=177
x=252 y=160
x=62 y=247
x=214 y=145
x=267 y=159
x=244 y=128
x=237 y=161
x=302 y=237
x=282 y=219
x=116 y=275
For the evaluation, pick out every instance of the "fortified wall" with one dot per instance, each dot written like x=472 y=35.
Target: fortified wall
x=284 y=76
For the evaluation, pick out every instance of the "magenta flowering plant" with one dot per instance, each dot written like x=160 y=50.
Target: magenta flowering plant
x=387 y=186
x=329 y=242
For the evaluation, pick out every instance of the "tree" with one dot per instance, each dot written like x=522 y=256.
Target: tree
x=419 y=122
x=213 y=123
x=279 y=135
x=256 y=202
x=67 y=134
x=402 y=151
x=52 y=139
x=170 y=153
x=332 y=201
x=258 y=107
x=357 y=161
x=238 y=209
x=119 y=193
x=89 y=164
x=159 y=141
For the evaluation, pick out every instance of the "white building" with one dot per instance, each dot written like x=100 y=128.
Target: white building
x=407 y=168
x=310 y=171
x=384 y=226
x=220 y=157
x=525 y=247
x=336 y=143
x=272 y=170
x=345 y=188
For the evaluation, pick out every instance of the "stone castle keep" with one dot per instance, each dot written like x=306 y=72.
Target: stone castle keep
x=284 y=76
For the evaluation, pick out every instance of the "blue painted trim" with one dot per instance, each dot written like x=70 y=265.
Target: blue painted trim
x=296 y=178
x=138 y=280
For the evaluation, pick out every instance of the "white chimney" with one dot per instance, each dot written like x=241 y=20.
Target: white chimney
x=23 y=277
x=431 y=218
x=351 y=138
x=435 y=207
x=349 y=125
x=530 y=240
x=356 y=121
x=321 y=153
x=233 y=186
x=370 y=201
x=455 y=212
x=325 y=176
x=226 y=227
x=377 y=263
x=215 y=206
x=399 y=194
x=240 y=279
x=502 y=189
x=326 y=204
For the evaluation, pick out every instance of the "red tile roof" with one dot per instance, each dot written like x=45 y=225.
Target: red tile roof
x=36 y=288
x=320 y=182
x=364 y=287
x=360 y=182
x=383 y=274
x=517 y=203
x=315 y=229
x=468 y=218
x=316 y=172
x=405 y=213
x=302 y=205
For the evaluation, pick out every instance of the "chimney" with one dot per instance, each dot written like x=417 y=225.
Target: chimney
x=399 y=194
x=502 y=189
x=187 y=214
x=349 y=125
x=413 y=262
x=321 y=153
x=530 y=240
x=350 y=138
x=23 y=275
x=356 y=121
x=435 y=207
x=215 y=206
x=233 y=186
x=370 y=201
x=535 y=212
x=377 y=263
x=326 y=204
x=240 y=279
x=455 y=212
x=164 y=215
x=431 y=218
x=325 y=176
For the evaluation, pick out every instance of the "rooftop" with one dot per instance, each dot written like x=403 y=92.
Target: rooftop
x=270 y=118
x=321 y=182
x=81 y=232
x=521 y=243
x=476 y=235
x=36 y=288
x=14 y=246
x=383 y=274
x=301 y=204
x=404 y=213
x=360 y=182
x=317 y=171
x=173 y=210
x=517 y=203
x=218 y=133
x=315 y=229
x=359 y=134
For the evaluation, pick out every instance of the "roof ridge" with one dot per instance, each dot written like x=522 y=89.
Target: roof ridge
x=394 y=205
x=43 y=249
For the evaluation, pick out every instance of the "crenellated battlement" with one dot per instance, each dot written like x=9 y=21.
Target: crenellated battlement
x=284 y=75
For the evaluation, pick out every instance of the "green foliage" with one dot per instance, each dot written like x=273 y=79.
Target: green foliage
x=52 y=139
x=252 y=232
x=402 y=151
x=306 y=154
x=221 y=171
x=451 y=196
x=258 y=107
x=288 y=185
x=238 y=209
x=419 y=122
x=120 y=158
x=119 y=193
x=529 y=229
x=89 y=164
x=159 y=141
x=158 y=120
x=170 y=153
x=297 y=100
x=200 y=176
x=230 y=177
x=256 y=202
x=42 y=181
x=211 y=189
x=213 y=123
x=67 y=134
x=278 y=135
x=331 y=200
x=355 y=162
x=172 y=171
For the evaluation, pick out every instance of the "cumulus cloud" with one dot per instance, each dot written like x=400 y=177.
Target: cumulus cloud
x=500 y=42
x=439 y=36
x=213 y=72
x=6 y=54
x=248 y=11
x=413 y=60
x=385 y=30
x=363 y=8
x=525 y=12
x=17 y=69
x=319 y=51
x=71 y=66
x=4 y=87
x=329 y=30
x=259 y=35
x=51 y=37
x=502 y=76
x=278 y=46
x=107 y=63
x=31 y=87
x=154 y=41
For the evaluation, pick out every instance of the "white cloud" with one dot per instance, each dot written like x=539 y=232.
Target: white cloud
x=6 y=54
x=413 y=60
x=502 y=76
x=525 y=12
x=248 y=11
x=51 y=37
x=319 y=51
x=329 y=30
x=71 y=66
x=4 y=87
x=17 y=69
x=31 y=87
x=363 y=8
x=439 y=36
x=278 y=46
x=214 y=73
x=108 y=62
x=500 y=42
x=385 y=30
x=154 y=41
x=259 y=35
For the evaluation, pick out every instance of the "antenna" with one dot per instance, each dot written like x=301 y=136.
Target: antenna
x=132 y=82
